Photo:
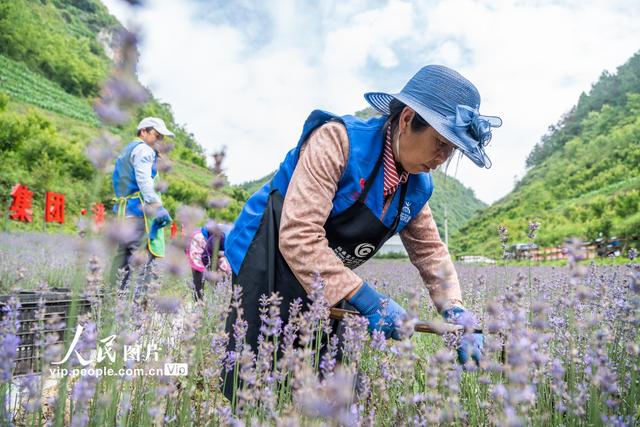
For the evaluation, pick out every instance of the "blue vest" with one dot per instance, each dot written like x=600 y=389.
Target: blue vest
x=124 y=179
x=366 y=141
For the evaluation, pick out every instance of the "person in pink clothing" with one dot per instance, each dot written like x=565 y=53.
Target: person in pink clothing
x=200 y=252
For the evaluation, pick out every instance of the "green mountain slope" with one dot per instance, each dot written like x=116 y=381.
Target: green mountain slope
x=54 y=56
x=252 y=186
x=586 y=184
x=58 y=39
x=22 y=84
x=460 y=202
x=610 y=89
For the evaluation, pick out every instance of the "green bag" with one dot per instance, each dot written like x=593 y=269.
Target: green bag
x=155 y=246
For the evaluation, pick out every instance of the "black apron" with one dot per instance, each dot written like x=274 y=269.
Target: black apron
x=355 y=235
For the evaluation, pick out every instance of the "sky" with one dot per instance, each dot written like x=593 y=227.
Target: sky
x=246 y=74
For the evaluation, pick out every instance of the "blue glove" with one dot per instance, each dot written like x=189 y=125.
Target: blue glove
x=161 y=220
x=471 y=344
x=368 y=302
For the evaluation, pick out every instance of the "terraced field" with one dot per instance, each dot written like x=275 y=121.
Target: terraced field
x=24 y=85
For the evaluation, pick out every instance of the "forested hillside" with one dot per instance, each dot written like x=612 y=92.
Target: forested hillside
x=54 y=57
x=584 y=176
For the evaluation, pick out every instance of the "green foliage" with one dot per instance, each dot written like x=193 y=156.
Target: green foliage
x=237 y=198
x=38 y=35
x=45 y=151
x=4 y=100
x=181 y=189
x=35 y=154
x=366 y=113
x=46 y=49
x=253 y=186
x=588 y=187
x=460 y=202
x=391 y=255
x=25 y=85
x=610 y=90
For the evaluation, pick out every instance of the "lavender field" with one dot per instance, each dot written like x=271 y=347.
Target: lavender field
x=570 y=337
x=561 y=344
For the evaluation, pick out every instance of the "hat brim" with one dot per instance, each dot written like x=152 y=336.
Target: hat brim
x=381 y=101
x=164 y=131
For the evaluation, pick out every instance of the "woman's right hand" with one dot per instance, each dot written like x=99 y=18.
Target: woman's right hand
x=382 y=312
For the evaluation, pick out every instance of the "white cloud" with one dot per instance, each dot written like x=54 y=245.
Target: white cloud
x=235 y=86
x=531 y=62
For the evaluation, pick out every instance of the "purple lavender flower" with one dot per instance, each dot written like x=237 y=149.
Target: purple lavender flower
x=328 y=360
x=189 y=216
x=102 y=150
x=8 y=351
x=110 y=112
x=378 y=340
x=161 y=186
x=503 y=233
x=125 y=89
x=218 y=158
x=135 y=3
x=9 y=340
x=533 y=228
x=165 y=148
x=332 y=400
x=216 y=203
x=120 y=232
x=30 y=390
x=164 y=164
x=270 y=315
x=84 y=389
x=355 y=335
x=218 y=183
x=167 y=305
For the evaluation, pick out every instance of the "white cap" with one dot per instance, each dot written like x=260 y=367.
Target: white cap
x=157 y=124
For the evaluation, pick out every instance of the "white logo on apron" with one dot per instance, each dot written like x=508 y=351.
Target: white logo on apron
x=364 y=249
x=405 y=215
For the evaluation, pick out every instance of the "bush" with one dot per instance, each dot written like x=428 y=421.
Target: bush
x=4 y=100
x=37 y=35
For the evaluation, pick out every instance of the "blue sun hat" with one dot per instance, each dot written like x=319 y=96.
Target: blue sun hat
x=450 y=104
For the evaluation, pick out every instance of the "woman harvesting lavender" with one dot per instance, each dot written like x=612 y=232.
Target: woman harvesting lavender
x=347 y=187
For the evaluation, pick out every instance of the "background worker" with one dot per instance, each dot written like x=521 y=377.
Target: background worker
x=201 y=251
x=138 y=204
